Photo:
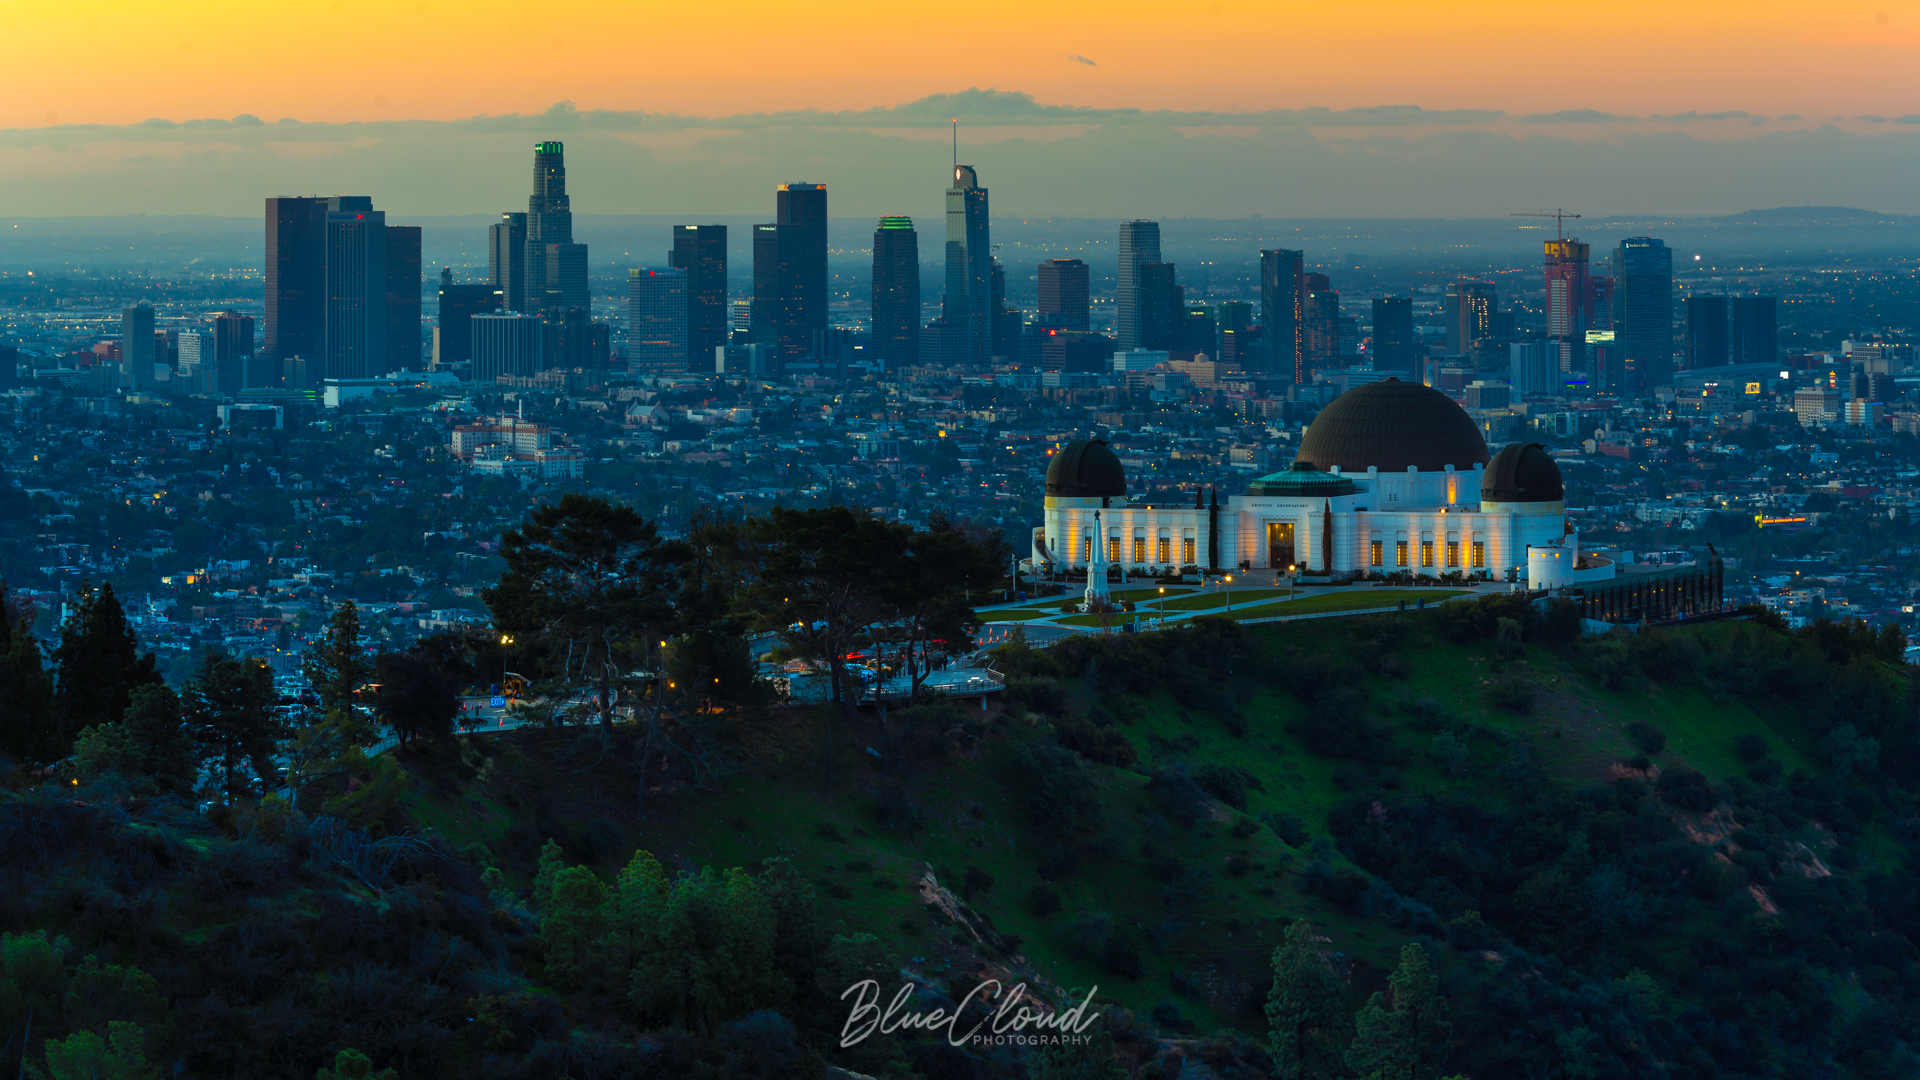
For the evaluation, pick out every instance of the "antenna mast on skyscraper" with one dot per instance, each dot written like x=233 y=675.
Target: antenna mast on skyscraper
x=956 y=143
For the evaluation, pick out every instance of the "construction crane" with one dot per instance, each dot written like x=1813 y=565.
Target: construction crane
x=1558 y=216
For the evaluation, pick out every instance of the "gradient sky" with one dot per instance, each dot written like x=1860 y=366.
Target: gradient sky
x=120 y=62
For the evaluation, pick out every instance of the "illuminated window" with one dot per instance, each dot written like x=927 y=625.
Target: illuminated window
x=1479 y=554
x=1139 y=549
x=1166 y=551
x=1453 y=553
x=1113 y=549
x=1426 y=553
x=1186 y=557
x=1379 y=552
x=1399 y=553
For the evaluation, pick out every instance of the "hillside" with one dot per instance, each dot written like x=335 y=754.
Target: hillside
x=1679 y=853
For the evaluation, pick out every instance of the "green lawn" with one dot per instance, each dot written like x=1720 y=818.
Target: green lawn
x=1355 y=600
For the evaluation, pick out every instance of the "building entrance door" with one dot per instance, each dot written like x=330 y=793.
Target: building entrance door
x=1280 y=544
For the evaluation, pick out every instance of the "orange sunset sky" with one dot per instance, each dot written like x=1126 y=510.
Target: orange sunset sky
x=118 y=62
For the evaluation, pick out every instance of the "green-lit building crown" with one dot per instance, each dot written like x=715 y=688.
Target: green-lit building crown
x=896 y=221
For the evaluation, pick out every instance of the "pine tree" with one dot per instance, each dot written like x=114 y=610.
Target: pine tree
x=229 y=710
x=336 y=664
x=1307 y=1009
x=99 y=665
x=149 y=745
x=1410 y=1039
x=27 y=730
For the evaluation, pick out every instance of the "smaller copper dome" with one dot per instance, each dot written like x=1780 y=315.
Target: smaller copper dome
x=1522 y=473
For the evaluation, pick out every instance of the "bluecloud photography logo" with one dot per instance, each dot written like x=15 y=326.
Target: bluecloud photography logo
x=1005 y=1016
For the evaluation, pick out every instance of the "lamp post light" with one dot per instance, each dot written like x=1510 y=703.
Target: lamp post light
x=1162 y=621
x=1229 y=592
x=505 y=640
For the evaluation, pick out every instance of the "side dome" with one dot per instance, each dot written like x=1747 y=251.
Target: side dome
x=1393 y=425
x=1522 y=473
x=1302 y=480
x=1086 y=468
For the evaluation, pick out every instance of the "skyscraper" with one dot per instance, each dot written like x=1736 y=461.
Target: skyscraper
x=1158 y=297
x=1569 y=302
x=1321 y=322
x=1753 y=334
x=233 y=352
x=1393 y=340
x=459 y=303
x=1139 y=243
x=403 y=299
x=1063 y=294
x=507 y=343
x=1283 y=312
x=657 y=321
x=701 y=250
x=1706 y=331
x=790 y=272
x=549 y=254
x=1470 y=310
x=1643 y=312
x=356 y=311
x=137 y=348
x=896 y=290
x=296 y=272
x=968 y=300
x=507 y=259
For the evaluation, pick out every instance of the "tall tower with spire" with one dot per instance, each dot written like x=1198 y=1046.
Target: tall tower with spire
x=556 y=267
x=969 y=296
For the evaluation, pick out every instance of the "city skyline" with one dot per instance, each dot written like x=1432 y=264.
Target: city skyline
x=1395 y=161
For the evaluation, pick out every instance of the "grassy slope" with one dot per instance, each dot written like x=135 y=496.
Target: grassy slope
x=776 y=803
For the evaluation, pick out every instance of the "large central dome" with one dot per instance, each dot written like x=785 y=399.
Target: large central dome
x=1392 y=425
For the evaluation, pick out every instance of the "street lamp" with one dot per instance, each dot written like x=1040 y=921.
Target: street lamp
x=1163 y=606
x=1290 y=579
x=1229 y=592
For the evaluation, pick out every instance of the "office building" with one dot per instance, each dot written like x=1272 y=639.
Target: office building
x=233 y=351
x=896 y=291
x=1706 y=331
x=403 y=298
x=1470 y=307
x=790 y=272
x=1569 y=301
x=1139 y=244
x=137 y=356
x=356 y=311
x=1534 y=367
x=507 y=259
x=1393 y=340
x=1752 y=330
x=196 y=371
x=1321 y=322
x=1283 y=313
x=1007 y=321
x=1063 y=294
x=555 y=267
x=1643 y=313
x=657 y=321
x=296 y=269
x=968 y=299
x=1160 y=306
x=1076 y=350
x=459 y=303
x=507 y=343
x=701 y=250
